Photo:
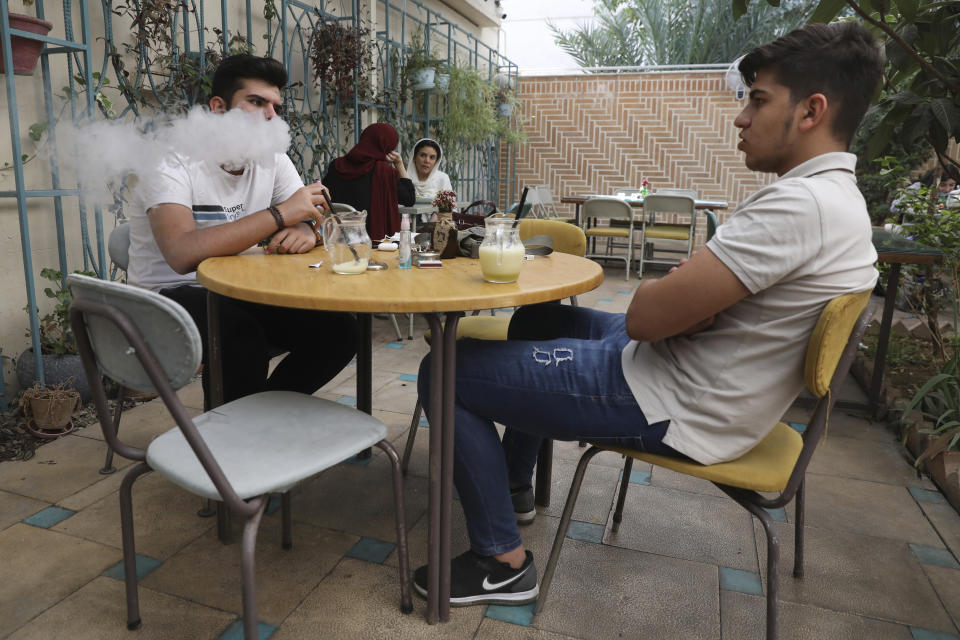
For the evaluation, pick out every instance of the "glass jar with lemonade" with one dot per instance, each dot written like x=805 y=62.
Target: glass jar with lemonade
x=501 y=252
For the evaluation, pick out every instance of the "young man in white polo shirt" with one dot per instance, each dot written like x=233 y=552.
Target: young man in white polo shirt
x=706 y=359
x=193 y=210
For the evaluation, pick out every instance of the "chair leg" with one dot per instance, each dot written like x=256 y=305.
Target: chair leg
x=622 y=496
x=410 y=327
x=406 y=598
x=564 y=525
x=108 y=467
x=798 y=531
x=248 y=572
x=396 y=327
x=286 y=522
x=129 y=546
x=544 y=473
x=773 y=553
x=411 y=437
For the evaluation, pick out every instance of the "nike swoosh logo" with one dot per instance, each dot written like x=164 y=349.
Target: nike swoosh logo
x=490 y=586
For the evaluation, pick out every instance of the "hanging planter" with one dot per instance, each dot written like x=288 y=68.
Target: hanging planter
x=424 y=79
x=26 y=52
x=443 y=82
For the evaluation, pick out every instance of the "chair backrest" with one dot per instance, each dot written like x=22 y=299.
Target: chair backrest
x=660 y=203
x=165 y=326
x=712 y=223
x=607 y=207
x=118 y=244
x=341 y=207
x=567 y=238
x=544 y=200
x=830 y=351
x=670 y=191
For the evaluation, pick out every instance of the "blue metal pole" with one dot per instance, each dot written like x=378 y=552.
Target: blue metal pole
x=18 y=181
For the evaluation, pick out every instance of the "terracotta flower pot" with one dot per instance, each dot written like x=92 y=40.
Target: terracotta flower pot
x=49 y=411
x=26 y=52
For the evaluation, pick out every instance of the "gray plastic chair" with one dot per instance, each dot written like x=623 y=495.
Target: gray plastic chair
x=610 y=208
x=666 y=203
x=239 y=453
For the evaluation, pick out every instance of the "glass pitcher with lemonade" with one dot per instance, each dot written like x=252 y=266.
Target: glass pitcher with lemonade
x=501 y=252
x=347 y=242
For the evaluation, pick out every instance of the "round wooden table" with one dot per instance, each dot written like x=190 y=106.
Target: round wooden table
x=440 y=294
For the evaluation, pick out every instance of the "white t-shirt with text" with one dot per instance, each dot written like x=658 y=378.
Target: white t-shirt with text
x=214 y=196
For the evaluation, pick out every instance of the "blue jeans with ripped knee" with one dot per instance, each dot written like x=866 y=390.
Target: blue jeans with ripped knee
x=567 y=387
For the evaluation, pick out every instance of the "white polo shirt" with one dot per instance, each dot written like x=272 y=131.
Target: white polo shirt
x=795 y=244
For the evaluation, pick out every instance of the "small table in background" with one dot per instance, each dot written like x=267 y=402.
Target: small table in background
x=894 y=250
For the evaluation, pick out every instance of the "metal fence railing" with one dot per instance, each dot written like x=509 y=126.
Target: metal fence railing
x=129 y=59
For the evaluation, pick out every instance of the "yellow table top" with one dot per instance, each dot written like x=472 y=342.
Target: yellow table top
x=287 y=281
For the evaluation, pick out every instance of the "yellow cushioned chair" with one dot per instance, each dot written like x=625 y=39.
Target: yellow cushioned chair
x=567 y=238
x=777 y=464
x=610 y=209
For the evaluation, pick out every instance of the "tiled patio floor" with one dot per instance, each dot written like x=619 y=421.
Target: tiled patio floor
x=881 y=561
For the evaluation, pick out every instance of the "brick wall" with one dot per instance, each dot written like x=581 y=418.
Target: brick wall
x=595 y=133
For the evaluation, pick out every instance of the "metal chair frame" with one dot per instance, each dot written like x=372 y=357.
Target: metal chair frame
x=608 y=207
x=251 y=509
x=754 y=502
x=661 y=202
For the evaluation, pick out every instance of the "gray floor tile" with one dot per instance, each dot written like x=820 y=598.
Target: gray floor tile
x=358 y=500
x=597 y=493
x=685 y=525
x=59 y=469
x=864 y=575
x=496 y=630
x=164 y=519
x=14 y=508
x=41 y=567
x=744 y=618
x=947 y=523
x=334 y=610
x=872 y=461
x=396 y=395
x=870 y=508
x=946 y=582
x=208 y=572
x=107 y=485
x=651 y=596
x=97 y=611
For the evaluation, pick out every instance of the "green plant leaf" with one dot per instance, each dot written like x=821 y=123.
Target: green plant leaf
x=908 y=8
x=37 y=129
x=827 y=10
x=739 y=8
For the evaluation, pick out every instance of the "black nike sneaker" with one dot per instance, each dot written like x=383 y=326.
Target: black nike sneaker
x=523 y=505
x=476 y=579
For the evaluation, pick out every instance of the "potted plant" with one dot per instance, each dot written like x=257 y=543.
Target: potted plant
x=938 y=399
x=49 y=410
x=445 y=201
x=26 y=52
x=442 y=79
x=421 y=67
x=337 y=50
x=506 y=101
x=470 y=118
x=61 y=363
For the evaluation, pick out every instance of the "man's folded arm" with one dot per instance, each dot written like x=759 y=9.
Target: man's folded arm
x=184 y=246
x=684 y=301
